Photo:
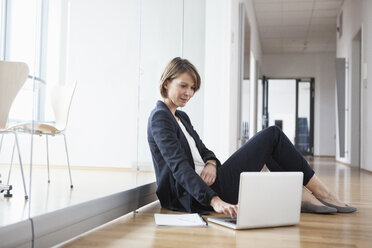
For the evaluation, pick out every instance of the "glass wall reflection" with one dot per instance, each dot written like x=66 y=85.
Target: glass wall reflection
x=115 y=51
x=160 y=41
x=194 y=50
x=21 y=90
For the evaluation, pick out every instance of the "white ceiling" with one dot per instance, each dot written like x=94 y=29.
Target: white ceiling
x=297 y=25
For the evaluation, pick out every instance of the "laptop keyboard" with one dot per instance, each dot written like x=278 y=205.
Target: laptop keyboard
x=233 y=221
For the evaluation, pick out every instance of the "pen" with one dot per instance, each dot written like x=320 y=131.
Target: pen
x=206 y=223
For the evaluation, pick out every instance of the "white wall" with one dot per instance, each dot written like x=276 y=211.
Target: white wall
x=217 y=66
x=221 y=73
x=103 y=57
x=194 y=51
x=356 y=16
x=351 y=25
x=367 y=88
x=162 y=40
x=321 y=66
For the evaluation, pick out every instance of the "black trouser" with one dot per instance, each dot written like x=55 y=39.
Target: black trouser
x=269 y=146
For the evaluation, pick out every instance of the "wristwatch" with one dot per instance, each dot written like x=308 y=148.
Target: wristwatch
x=211 y=162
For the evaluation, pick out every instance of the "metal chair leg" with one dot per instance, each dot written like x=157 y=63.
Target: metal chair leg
x=1 y=142
x=11 y=163
x=68 y=162
x=20 y=163
x=46 y=137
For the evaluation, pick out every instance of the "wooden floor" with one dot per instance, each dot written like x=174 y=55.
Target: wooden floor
x=336 y=230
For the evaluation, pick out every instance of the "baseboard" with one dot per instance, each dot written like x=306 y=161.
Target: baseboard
x=324 y=156
x=340 y=162
x=16 y=235
x=144 y=168
x=366 y=171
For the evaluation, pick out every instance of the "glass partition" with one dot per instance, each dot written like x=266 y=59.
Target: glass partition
x=183 y=36
x=114 y=52
x=92 y=82
x=160 y=41
x=20 y=42
x=194 y=50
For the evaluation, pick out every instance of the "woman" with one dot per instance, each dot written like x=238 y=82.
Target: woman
x=189 y=176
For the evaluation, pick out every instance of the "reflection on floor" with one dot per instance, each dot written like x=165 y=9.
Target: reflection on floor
x=89 y=183
x=314 y=230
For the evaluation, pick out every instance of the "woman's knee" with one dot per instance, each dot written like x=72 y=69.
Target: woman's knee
x=273 y=129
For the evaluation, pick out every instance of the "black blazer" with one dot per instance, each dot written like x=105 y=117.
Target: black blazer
x=180 y=188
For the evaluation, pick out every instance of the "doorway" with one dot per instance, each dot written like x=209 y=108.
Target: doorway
x=289 y=104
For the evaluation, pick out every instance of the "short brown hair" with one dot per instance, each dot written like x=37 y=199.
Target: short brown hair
x=176 y=67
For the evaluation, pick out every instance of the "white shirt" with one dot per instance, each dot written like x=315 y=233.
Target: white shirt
x=198 y=161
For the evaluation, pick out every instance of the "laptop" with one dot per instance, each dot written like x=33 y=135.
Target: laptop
x=266 y=199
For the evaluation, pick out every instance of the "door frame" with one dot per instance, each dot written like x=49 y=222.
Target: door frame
x=312 y=95
x=266 y=113
x=265 y=102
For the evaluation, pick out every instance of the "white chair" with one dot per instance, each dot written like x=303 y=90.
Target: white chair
x=13 y=75
x=61 y=98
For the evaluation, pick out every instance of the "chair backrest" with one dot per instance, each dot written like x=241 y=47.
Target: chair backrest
x=61 y=97
x=13 y=75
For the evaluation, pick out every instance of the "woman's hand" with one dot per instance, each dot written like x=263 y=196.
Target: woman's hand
x=209 y=174
x=223 y=207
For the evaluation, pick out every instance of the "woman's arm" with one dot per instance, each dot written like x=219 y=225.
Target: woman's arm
x=209 y=174
x=164 y=133
x=223 y=207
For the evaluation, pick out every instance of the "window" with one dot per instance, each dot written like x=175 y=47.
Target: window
x=28 y=36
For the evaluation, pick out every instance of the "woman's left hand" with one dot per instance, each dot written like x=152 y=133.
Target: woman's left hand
x=209 y=174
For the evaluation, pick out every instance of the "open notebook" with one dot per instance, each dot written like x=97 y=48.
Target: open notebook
x=179 y=220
